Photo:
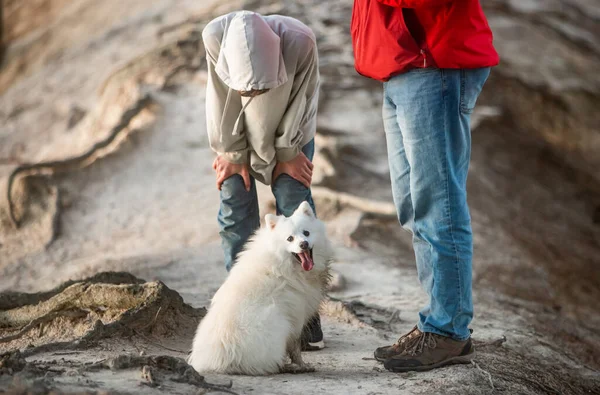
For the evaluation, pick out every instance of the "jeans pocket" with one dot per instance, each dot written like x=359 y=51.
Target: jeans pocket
x=471 y=83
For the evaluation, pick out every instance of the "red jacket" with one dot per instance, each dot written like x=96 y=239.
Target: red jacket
x=393 y=36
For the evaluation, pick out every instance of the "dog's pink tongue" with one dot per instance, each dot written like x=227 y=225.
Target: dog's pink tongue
x=306 y=260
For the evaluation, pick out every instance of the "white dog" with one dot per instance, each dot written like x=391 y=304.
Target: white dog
x=256 y=317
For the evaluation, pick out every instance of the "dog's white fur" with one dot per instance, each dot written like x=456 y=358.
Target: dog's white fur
x=257 y=315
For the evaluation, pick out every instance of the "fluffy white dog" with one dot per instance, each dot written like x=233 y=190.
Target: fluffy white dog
x=278 y=282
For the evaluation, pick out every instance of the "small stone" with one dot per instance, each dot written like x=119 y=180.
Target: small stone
x=148 y=377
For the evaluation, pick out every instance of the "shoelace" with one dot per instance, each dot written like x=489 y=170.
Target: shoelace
x=418 y=344
x=404 y=338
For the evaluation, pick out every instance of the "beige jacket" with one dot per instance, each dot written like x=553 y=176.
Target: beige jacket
x=246 y=51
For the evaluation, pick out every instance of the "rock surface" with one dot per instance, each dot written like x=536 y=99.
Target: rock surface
x=109 y=105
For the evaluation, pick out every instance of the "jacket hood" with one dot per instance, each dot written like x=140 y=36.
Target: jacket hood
x=250 y=56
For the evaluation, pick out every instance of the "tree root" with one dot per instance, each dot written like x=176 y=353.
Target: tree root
x=77 y=315
x=493 y=343
x=124 y=87
x=373 y=207
x=485 y=372
x=11 y=300
x=78 y=297
x=155 y=368
x=38 y=321
x=98 y=150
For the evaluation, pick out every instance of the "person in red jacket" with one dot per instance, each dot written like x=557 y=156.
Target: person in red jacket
x=434 y=57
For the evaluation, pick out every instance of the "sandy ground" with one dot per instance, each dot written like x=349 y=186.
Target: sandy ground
x=149 y=208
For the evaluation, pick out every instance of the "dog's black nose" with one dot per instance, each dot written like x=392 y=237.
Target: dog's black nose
x=304 y=245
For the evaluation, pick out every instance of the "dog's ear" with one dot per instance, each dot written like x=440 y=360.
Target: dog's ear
x=305 y=209
x=271 y=220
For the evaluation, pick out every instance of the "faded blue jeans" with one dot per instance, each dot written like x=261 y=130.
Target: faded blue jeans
x=238 y=215
x=426 y=115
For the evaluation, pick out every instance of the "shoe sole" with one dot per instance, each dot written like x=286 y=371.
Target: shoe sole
x=382 y=359
x=314 y=346
x=379 y=359
x=462 y=359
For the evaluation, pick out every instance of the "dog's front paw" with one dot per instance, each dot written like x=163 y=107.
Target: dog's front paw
x=297 y=369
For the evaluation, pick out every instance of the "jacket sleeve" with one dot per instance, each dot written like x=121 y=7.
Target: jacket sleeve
x=300 y=118
x=220 y=120
x=414 y=3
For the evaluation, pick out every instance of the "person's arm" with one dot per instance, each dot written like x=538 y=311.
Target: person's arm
x=300 y=118
x=301 y=115
x=234 y=148
x=414 y=3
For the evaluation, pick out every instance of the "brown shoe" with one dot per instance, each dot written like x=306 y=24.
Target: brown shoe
x=386 y=352
x=429 y=351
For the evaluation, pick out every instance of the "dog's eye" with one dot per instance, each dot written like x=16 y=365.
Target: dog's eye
x=306 y=233
x=290 y=239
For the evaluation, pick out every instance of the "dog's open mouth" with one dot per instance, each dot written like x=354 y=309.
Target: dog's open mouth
x=305 y=258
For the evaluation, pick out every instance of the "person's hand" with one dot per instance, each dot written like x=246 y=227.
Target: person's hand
x=226 y=169
x=299 y=169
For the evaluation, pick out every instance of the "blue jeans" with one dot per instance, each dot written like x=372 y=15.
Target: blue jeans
x=238 y=215
x=426 y=115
